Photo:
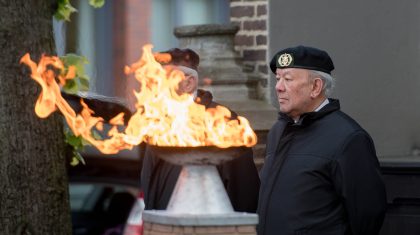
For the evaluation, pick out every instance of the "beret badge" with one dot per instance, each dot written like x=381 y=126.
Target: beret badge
x=285 y=60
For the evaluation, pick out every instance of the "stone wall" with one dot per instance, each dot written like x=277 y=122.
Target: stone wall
x=252 y=39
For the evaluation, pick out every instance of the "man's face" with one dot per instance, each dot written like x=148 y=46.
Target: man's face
x=188 y=85
x=294 y=87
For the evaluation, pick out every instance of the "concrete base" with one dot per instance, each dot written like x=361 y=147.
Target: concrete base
x=233 y=218
x=199 y=189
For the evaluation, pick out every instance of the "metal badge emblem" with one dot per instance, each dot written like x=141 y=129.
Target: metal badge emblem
x=285 y=60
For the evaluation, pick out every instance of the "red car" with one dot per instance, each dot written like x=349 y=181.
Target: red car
x=134 y=225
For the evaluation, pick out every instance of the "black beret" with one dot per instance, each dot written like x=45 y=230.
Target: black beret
x=302 y=57
x=185 y=57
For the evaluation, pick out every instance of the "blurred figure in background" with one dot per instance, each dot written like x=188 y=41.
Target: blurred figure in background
x=239 y=176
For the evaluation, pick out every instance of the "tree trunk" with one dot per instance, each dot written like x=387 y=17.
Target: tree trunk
x=33 y=178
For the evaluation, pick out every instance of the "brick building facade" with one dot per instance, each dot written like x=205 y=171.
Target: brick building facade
x=252 y=39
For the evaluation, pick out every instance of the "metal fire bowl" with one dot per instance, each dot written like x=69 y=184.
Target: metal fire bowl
x=203 y=155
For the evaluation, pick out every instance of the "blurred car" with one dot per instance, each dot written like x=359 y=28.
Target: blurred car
x=104 y=191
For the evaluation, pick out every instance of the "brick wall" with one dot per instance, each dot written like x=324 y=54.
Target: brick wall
x=252 y=39
x=160 y=229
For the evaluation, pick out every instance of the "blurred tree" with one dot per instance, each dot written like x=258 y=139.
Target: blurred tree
x=33 y=178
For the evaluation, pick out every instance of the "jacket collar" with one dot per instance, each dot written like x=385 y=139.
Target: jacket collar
x=310 y=117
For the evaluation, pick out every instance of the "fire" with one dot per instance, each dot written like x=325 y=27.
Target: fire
x=162 y=117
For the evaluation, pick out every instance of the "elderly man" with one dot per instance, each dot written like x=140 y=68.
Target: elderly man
x=321 y=174
x=158 y=178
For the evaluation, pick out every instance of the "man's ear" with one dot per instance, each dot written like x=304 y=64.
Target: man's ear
x=317 y=86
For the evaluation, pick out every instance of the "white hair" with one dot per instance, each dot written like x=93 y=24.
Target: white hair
x=187 y=71
x=327 y=80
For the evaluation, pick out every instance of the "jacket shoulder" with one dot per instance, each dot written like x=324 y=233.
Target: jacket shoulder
x=343 y=123
x=342 y=129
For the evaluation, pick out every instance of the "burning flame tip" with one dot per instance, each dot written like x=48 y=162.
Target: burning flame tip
x=25 y=58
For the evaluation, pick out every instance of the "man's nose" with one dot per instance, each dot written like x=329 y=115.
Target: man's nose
x=280 y=85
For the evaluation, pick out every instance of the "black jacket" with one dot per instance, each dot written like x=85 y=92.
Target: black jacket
x=321 y=177
x=239 y=176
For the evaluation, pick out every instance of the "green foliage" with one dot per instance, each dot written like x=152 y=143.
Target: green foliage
x=81 y=81
x=77 y=143
x=72 y=86
x=97 y=3
x=65 y=9
x=76 y=159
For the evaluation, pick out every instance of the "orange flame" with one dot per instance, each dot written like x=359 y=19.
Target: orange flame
x=162 y=116
x=50 y=100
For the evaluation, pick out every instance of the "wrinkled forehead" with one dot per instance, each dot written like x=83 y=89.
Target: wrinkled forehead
x=291 y=72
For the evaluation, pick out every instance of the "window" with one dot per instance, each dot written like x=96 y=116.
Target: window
x=166 y=15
